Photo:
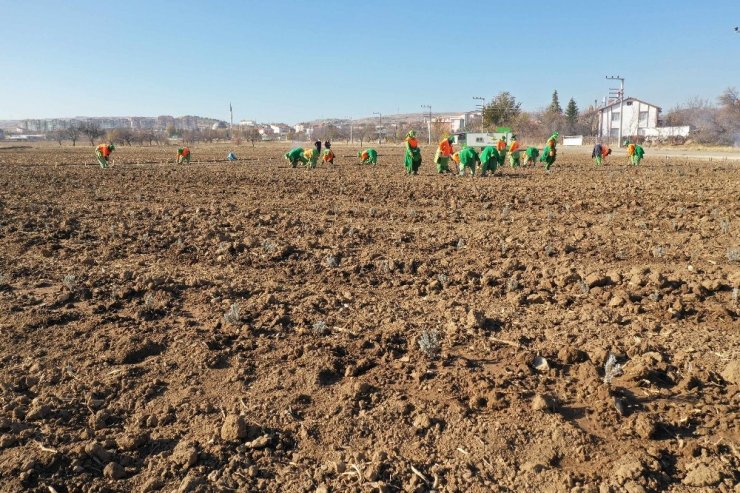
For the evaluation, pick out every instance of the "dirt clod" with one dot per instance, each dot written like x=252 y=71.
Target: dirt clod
x=113 y=470
x=702 y=475
x=234 y=427
x=541 y=403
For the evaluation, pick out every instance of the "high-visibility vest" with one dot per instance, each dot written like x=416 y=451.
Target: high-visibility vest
x=104 y=149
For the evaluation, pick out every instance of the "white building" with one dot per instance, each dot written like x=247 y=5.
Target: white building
x=452 y=124
x=638 y=116
x=457 y=123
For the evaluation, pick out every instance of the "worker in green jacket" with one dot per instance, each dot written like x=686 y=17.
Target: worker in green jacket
x=102 y=152
x=412 y=156
x=599 y=153
x=312 y=157
x=488 y=160
x=549 y=154
x=183 y=155
x=443 y=154
x=466 y=157
x=638 y=155
x=514 y=152
x=501 y=148
x=532 y=153
x=295 y=156
x=368 y=156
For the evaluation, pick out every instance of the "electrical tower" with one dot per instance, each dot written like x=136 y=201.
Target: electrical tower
x=380 y=125
x=429 y=122
x=620 y=95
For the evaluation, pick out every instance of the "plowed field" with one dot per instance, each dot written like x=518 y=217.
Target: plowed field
x=251 y=327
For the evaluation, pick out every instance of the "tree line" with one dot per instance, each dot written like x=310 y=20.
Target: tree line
x=93 y=132
x=710 y=123
x=505 y=111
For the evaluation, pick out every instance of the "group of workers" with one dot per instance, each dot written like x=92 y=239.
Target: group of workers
x=635 y=153
x=103 y=152
x=490 y=158
x=310 y=157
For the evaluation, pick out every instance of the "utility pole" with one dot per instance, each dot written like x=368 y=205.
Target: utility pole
x=231 y=127
x=479 y=106
x=429 y=123
x=380 y=125
x=351 y=127
x=621 y=103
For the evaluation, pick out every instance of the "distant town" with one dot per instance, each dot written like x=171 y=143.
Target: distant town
x=203 y=128
x=607 y=122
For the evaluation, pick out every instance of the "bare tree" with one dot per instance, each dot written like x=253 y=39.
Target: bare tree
x=365 y=132
x=730 y=99
x=113 y=136
x=57 y=135
x=189 y=136
x=147 y=135
x=125 y=135
x=136 y=137
x=253 y=135
x=588 y=121
x=552 y=121
x=92 y=130
x=702 y=117
x=439 y=129
x=729 y=115
x=529 y=126
x=72 y=133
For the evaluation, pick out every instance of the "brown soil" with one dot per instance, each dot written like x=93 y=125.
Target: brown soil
x=393 y=333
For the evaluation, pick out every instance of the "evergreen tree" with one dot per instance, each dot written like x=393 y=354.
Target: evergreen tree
x=555 y=107
x=571 y=115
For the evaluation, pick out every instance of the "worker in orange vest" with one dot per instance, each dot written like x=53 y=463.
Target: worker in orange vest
x=183 y=155
x=514 y=152
x=329 y=155
x=599 y=153
x=442 y=157
x=368 y=156
x=501 y=148
x=103 y=153
x=412 y=156
x=635 y=152
x=312 y=156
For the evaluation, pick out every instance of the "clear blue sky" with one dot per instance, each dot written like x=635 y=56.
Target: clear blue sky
x=297 y=60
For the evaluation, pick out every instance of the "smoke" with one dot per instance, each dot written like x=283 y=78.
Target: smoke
x=737 y=139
